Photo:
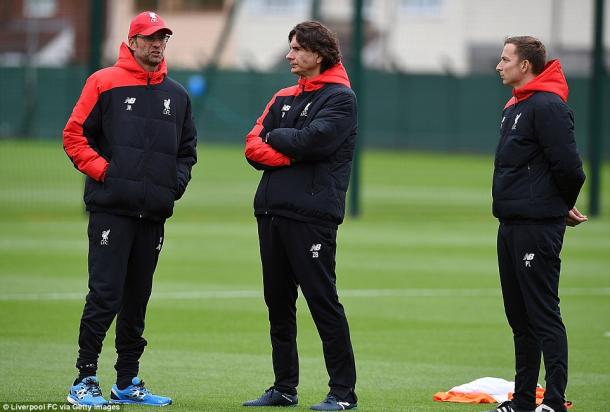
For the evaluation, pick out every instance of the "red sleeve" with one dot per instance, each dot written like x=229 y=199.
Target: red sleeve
x=77 y=146
x=260 y=152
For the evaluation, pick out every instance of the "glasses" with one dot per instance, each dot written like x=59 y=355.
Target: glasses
x=163 y=38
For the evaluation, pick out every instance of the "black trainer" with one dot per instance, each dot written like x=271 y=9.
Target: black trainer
x=273 y=397
x=507 y=406
x=331 y=403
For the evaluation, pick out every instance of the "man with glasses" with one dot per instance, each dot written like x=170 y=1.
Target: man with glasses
x=132 y=134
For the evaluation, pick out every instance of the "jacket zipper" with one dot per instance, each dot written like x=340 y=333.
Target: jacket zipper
x=313 y=180
x=141 y=214
x=529 y=175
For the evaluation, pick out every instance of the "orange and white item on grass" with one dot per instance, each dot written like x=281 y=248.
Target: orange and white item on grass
x=484 y=390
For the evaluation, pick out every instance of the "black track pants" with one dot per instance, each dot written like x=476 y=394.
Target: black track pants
x=528 y=258
x=123 y=253
x=301 y=254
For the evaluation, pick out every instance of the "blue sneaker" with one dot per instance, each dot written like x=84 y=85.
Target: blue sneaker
x=87 y=393
x=137 y=393
x=331 y=403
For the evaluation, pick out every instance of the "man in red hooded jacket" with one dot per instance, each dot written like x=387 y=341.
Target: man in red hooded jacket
x=537 y=178
x=132 y=134
x=304 y=141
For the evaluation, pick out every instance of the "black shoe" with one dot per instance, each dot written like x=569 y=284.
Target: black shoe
x=508 y=407
x=331 y=403
x=273 y=397
x=544 y=408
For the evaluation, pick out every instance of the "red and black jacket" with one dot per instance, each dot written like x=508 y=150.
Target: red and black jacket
x=537 y=171
x=132 y=133
x=304 y=141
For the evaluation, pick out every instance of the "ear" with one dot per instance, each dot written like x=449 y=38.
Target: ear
x=525 y=66
x=131 y=42
x=319 y=59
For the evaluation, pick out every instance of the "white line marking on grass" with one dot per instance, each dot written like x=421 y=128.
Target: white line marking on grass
x=208 y=294
x=459 y=292
x=348 y=293
x=607 y=334
x=42 y=296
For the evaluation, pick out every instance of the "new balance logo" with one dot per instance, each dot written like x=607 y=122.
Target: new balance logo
x=129 y=101
x=516 y=120
x=285 y=108
x=105 y=240
x=502 y=122
x=315 y=250
x=528 y=258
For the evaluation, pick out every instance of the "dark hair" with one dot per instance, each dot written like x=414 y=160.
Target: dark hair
x=530 y=49
x=315 y=37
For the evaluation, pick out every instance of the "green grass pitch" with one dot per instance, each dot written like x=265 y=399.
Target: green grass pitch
x=416 y=273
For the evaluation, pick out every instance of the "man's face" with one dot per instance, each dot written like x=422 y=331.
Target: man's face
x=303 y=62
x=149 y=50
x=512 y=70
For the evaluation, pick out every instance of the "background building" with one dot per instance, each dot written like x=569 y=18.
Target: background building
x=421 y=36
x=429 y=80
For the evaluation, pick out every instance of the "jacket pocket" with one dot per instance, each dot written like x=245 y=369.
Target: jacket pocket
x=320 y=178
x=111 y=171
x=92 y=187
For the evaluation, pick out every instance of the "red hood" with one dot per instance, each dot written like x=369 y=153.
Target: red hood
x=335 y=74
x=551 y=80
x=128 y=62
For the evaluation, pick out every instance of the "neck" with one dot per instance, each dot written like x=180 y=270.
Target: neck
x=150 y=69
x=311 y=75
x=525 y=80
x=147 y=67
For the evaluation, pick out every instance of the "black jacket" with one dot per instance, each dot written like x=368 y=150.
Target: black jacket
x=537 y=171
x=305 y=142
x=132 y=133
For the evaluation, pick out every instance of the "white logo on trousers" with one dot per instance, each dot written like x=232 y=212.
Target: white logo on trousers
x=105 y=235
x=315 y=250
x=528 y=258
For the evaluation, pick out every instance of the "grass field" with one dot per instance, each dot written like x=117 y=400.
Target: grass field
x=416 y=273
